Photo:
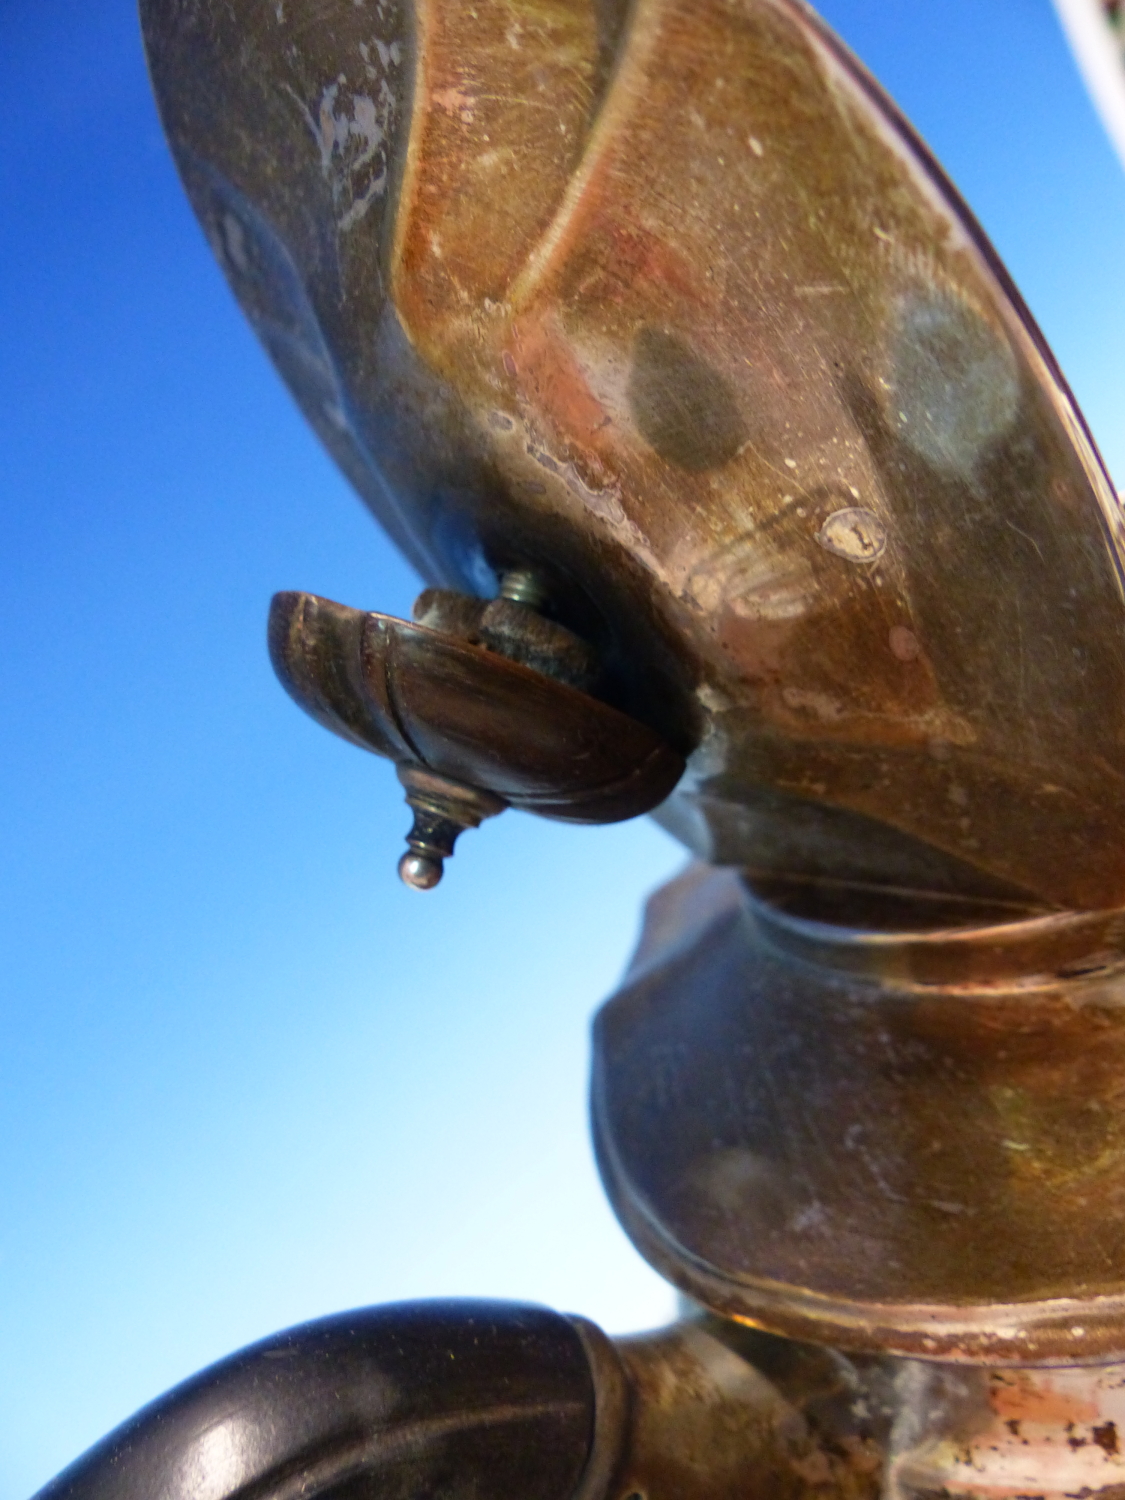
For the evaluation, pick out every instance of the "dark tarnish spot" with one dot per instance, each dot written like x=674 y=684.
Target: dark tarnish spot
x=682 y=406
x=1106 y=1437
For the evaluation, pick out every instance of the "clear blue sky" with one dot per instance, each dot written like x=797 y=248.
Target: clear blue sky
x=245 y=1078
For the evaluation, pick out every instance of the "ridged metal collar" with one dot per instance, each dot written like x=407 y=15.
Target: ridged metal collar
x=1033 y=952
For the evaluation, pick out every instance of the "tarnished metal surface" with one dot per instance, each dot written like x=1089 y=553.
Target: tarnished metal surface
x=429 y=698
x=478 y=706
x=661 y=313
x=1007 y=1434
x=668 y=304
x=503 y=1402
x=912 y=1142
x=719 y=1413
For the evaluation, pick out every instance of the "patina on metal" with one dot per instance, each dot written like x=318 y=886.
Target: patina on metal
x=504 y=1401
x=744 y=485
x=911 y=1141
x=479 y=714
x=669 y=305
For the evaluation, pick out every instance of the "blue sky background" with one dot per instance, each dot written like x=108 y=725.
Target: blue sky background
x=245 y=1077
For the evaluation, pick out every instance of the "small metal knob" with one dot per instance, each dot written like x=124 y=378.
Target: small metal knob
x=443 y=809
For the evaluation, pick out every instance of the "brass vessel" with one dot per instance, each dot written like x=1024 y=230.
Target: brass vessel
x=747 y=493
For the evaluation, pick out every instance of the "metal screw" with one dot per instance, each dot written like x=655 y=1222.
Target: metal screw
x=523 y=586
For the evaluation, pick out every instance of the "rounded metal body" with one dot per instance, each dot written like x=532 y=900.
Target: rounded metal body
x=667 y=304
x=658 y=319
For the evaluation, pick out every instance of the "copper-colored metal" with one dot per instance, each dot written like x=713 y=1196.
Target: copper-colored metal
x=663 y=348
x=476 y=730
x=668 y=304
x=718 y=1411
x=909 y=1141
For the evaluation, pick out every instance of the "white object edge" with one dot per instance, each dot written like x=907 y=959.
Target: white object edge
x=1100 y=60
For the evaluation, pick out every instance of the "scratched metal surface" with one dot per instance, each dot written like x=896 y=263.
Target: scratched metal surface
x=671 y=305
x=912 y=1143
